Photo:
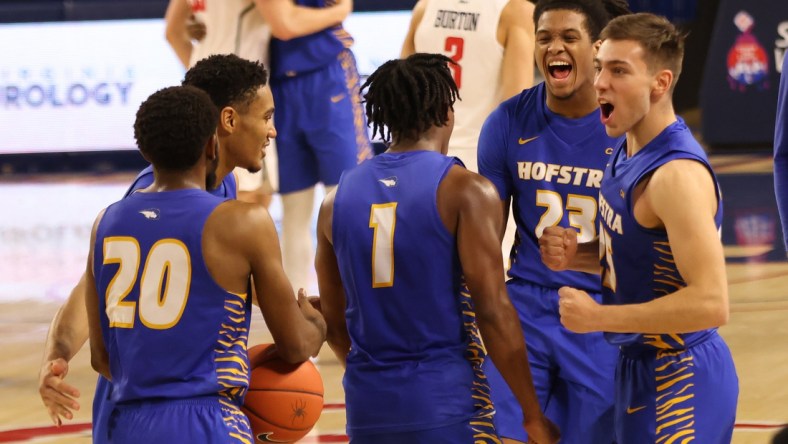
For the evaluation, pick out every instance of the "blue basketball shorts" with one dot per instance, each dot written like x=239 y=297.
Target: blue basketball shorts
x=102 y=409
x=677 y=395
x=205 y=420
x=573 y=373
x=477 y=430
x=321 y=125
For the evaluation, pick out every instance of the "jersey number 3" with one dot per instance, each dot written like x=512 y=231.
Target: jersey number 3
x=454 y=46
x=164 y=285
x=383 y=221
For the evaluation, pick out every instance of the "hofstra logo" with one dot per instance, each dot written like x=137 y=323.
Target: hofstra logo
x=65 y=87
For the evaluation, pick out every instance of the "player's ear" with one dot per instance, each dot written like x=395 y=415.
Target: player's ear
x=212 y=147
x=228 y=118
x=663 y=79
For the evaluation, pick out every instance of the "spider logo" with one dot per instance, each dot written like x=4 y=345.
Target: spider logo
x=299 y=411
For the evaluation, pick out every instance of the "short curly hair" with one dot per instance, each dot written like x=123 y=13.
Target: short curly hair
x=596 y=12
x=406 y=97
x=173 y=126
x=228 y=79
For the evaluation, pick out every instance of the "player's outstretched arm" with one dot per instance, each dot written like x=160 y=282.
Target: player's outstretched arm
x=409 y=45
x=289 y=21
x=297 y=328
x=67 y=334
x=99 y=359
x=176 y=31
x=516 y=32
x=329 y=281
x=560 y=251
x=472 y=204
x=681 y=195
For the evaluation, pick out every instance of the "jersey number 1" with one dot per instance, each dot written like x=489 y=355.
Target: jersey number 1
x=383 y=221
x=455 y=45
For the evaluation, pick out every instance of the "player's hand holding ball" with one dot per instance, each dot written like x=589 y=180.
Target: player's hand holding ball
x=558 y=247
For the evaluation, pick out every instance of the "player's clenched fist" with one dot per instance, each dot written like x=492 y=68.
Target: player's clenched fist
x=578 y=310
x=558 y=246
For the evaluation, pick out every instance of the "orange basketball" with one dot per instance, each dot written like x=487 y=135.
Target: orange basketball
x=284 y=400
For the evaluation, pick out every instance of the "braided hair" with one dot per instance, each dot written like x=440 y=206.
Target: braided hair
x=406 y=97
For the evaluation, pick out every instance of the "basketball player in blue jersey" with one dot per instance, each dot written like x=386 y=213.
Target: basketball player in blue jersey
x=781 y=151
x=167 y=285
x=545 y=150
x=239 y=89
x=396 y=242
x=663 y=268
x=319 y=115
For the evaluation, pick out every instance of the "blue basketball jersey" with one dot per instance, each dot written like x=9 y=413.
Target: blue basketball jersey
x=102 y=402
x=170 y=330
x=407 y=368
x=553 y=167
x=227 y=188
x=310 y=52
x=637 y=263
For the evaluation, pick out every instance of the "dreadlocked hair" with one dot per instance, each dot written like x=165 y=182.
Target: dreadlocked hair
x=406 y=97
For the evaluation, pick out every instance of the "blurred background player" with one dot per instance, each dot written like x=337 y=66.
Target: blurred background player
x=411 y=350
x=196 y=29
x=781 y=152
x=319 y=115
x=171 y=335
x=545 y=150
x=492 y=45
x=239 y=89
x=663 y=268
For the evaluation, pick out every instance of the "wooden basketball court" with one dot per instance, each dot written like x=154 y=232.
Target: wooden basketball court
x=40 y=263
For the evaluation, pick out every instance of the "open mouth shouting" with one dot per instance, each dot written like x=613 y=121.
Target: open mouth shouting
x=559 y=69
x=606 y=111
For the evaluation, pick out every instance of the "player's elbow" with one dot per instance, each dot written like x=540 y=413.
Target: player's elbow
x=173 y=37
x=284 y=34
x=716 y=307
x=284 y=29
x=719 y=313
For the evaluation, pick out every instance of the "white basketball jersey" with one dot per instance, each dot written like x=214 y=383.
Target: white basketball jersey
x=465 y=31
x=232 y=27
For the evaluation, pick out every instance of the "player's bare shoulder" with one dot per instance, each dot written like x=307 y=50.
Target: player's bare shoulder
x=236 y=223
x=466 y=189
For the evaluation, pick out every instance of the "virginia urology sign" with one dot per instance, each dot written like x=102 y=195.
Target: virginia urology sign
x=76 y=86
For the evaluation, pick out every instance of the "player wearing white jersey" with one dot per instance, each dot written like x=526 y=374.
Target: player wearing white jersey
x=232 y=27
x=492 y=42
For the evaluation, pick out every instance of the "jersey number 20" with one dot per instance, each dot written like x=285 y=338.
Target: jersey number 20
x=167 y=265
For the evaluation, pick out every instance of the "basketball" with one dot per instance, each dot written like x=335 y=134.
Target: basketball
x=284 y=400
